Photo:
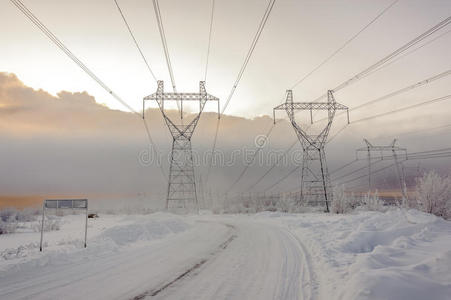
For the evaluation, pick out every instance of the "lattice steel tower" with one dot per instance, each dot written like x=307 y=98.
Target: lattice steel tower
x=182 y=181
x=315 y=181
x=393 y=150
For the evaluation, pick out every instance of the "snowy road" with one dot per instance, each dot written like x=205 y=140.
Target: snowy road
x=219 y=258
x=263 y=262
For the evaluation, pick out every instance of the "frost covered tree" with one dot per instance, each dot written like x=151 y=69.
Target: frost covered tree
x=372 y=202
x=339 y=203
x=433 y=194
x=342 y=203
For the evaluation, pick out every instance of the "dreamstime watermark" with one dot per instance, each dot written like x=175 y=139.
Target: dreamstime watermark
x=258 y=155
x=260 y=140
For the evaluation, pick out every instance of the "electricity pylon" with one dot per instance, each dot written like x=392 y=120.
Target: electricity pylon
x=394 y=150
x=182 y=181
x=315 y=181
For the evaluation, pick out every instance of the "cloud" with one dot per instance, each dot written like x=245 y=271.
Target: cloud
x=70 y=144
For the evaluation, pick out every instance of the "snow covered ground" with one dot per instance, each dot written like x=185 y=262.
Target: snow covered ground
x=373 y=255
x=366 y=255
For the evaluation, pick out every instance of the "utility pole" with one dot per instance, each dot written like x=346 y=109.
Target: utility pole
x=181 y=191
x=394 y=151
x=315 y=181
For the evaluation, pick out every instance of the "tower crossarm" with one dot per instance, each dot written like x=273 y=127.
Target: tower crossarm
x=160 y=97
x=381 y=148
x=182 y=96
x=179 y=130
x=389 y=148
x=311 y=106
x=330 y=106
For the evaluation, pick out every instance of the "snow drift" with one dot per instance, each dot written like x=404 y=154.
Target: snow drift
x=371 y=255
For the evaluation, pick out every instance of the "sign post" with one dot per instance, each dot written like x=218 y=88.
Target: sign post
x=64 y=204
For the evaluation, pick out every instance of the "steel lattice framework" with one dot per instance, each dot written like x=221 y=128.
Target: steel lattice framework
x=315 y=180
x=394 y=150
x=182 y=181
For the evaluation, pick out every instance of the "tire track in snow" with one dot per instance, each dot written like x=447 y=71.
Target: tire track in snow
x=154 y=292
x=264 y=262
x=309 y=283
x=74 y=279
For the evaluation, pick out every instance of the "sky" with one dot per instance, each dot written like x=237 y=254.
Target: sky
x=56 y=120
x=297 y=37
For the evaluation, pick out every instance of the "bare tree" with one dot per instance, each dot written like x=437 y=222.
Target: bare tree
x=433 y=194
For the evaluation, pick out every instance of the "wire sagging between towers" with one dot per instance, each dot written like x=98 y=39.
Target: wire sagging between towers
x=240 y=74
x=72 y=56
x=156 y=7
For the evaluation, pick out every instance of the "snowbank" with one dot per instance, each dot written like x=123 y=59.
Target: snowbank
x=143 y=230
x=371 y=255
x=397 y=254
x=109 y=233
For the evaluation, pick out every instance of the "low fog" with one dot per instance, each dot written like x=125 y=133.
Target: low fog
x=71 y=145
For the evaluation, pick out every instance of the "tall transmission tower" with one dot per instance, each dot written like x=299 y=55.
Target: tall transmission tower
x=181 y=192
x=394 y=151
x=315 y=180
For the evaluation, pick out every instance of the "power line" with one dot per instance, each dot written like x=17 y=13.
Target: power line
x=343 y=166
x=259 y=148
x=273 y=166
x=403 y=109
x=205 y=79
x=390 y=95
x=249 y=54
x=439 y=155
x=213 y=149
x=323 y=63
x=429 y=154
x=209 y=38
x=376 y=116
x=135 y=41
x=60 y=45
x=435 y=153
x=374 y=172
x=282 y=179
x=156 y=7
x=433 y=150
x=391 y=112
x=389 y=57
x=423 y=130
x=403 y=90
x=357 y=170
x=419 y=157
x=413 y=155
x=378 y=66
x=240 y=74
x=146 y=125
x=412 y=51
x=155 y=150
x=344 y=45
x=422 y=156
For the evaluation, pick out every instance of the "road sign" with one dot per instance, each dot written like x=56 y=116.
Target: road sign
x=64 y=204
